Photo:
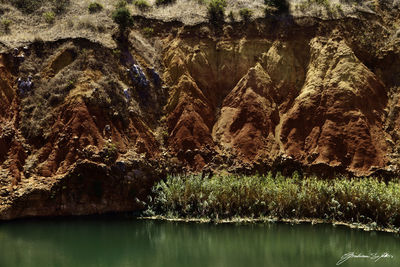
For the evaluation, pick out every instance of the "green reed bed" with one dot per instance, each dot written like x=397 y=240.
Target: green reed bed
x=358 y=200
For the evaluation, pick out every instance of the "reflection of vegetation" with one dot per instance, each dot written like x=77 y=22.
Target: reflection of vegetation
x=366 y=200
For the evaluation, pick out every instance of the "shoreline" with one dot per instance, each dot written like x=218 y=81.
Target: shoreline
x=246 y=220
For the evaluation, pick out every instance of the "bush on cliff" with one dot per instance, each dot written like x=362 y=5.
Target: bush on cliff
x=276 y=6
x=95 y=7
x=123 y=18
x=246 y=14
x=216 y=11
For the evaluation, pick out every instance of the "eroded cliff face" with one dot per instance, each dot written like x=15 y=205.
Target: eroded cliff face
x=303 y=95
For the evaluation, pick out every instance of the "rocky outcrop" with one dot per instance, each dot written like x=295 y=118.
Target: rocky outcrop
x=101 y=125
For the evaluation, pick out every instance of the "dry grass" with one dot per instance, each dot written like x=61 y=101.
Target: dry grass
x=100 y=27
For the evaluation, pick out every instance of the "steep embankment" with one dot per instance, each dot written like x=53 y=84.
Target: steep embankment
x=287 y=94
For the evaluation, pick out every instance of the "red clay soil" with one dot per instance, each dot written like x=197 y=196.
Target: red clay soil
x=77 y=145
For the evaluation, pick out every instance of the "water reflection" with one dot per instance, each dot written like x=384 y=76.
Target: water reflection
x=127 y=242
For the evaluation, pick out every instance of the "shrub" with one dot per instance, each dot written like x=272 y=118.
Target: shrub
x=95 y=7
x=6 y=25
x=246 y=14
x=49 y=17
x=165 y=2
x=109 y=153
x=216 y=11
x=142 y=4
x=277 y=6
x=27 y=6
x=122 y=17
x=59 y=6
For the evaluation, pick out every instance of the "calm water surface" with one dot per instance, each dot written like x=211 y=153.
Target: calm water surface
x=129 y=242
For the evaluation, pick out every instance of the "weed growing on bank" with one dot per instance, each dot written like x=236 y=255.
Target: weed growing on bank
x=359 y=200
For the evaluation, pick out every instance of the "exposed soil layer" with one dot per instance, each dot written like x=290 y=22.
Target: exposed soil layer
x=280 y=94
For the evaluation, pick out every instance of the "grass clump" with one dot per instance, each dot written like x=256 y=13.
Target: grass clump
x=95 y=7
x=358 y=200
x=216 y=11
x=49 y=17
x=143 y=5
x=148 y=32
x=6 y=23
x=121 y=3
x=246 y=14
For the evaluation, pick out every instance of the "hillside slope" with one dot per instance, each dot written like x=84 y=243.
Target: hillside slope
x=283 y=94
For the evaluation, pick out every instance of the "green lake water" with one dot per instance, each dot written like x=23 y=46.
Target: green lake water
x=130 y=242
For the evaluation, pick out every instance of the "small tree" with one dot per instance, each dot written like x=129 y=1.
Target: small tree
x=123 y=18
x=216 y=11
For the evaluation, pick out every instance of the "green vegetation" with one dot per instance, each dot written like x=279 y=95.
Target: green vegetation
x=358 y=200
x=95 y=7
x=148 y=32
x=246 y=14
x=109 y=153
x=123 y=18
x=165 y=2
x=121 y=3
x=6 y=23
x=231 y=17
x=142 y=4
x=216 y=11
x=49 y=17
